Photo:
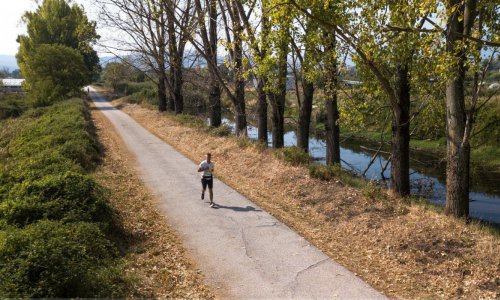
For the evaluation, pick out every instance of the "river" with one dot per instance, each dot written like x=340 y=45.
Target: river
x=427 y=173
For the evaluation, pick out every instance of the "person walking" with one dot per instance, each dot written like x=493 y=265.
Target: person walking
x=207 y=178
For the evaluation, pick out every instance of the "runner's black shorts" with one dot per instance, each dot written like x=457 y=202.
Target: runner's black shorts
x=207 y=181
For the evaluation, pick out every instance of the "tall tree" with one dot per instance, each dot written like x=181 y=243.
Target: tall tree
x=470 y=24
x=207 y=13
x=234 y=36
x=259 y=45
x=143 y=29
x=56 y=22
x=156 y=33
x=277 y=66
x=307 y=58
x=179 y=23
x=331 y=73
x=383 y=54
x=53 y=73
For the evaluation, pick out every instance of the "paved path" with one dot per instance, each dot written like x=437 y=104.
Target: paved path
x=244 y=252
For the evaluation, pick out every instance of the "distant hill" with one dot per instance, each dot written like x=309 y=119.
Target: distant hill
x=8 y=61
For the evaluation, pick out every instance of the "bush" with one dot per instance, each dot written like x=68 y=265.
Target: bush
x=52 y=259
x=12 y=106
x=326 y=173
x=63 y=128
x=373 y=191
x=69 y=197
x=43 y=163
x=53 y=72
x=335 y=172
x=189 y=120
x=52 y=216
x=243 y=142
x=223 y=130
x=293 y=155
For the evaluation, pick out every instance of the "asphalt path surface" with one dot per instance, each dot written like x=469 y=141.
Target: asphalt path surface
x=243 y=252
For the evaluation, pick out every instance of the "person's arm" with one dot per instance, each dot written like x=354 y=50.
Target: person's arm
x=201 y=168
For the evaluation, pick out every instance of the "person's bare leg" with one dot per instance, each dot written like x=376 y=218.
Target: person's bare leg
x=202 y=193
x=211 y=195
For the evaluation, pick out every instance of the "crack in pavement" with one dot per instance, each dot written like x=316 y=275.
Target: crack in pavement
x=266 y=225
x=294 y=282
x=245 y=245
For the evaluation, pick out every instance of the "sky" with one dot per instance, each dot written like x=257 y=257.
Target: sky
x=11 y=26
x=10 y=23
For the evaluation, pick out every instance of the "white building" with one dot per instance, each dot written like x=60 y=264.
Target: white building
x=11 y=85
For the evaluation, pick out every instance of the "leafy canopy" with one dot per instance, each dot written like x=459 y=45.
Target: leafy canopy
x=66 y=27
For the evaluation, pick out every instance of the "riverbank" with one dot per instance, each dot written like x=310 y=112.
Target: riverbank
x=155 y=259
x=486 y=157
x=404 y=250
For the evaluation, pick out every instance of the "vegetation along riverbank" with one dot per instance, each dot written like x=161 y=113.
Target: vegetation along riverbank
x=405 y=249
x=75 y=221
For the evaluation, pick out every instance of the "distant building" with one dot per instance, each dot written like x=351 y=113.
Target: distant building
x=11 y=85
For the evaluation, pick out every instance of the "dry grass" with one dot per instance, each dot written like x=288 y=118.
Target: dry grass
x=155 y=257
x=402 y=250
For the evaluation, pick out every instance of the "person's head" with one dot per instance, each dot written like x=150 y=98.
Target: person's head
x=209 y=156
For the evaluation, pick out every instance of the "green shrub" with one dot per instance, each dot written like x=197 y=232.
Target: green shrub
x=335 y=172
x=326 y=173
x=223 y=130
x=63 y=127
x=12 y=106
x=189 y=120
x=373 y=191
x=194 y=98
x=52 y=216
x=243 y=142
x=137 y=87
x=68 y=197
x=293 y=155
x=52 y=259
x=43 y=163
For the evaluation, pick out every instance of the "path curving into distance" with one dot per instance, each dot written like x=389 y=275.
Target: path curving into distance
x=243 y=252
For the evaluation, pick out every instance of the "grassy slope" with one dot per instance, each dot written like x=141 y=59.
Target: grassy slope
x=404 y=250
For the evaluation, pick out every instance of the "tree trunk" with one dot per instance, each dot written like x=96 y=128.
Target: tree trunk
x=215 y=89
x=262 y=96
x=305 y=116
x=177 y=90
x=278 y=95
x=162 y=96
x=332 y=130
x=277 y=119
x=215 y=105
x=277 y=99
x=262 y=112
x=400 y=154
x=171 y=98
x=241 y=117
x=332 y=111
x=458 y=147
